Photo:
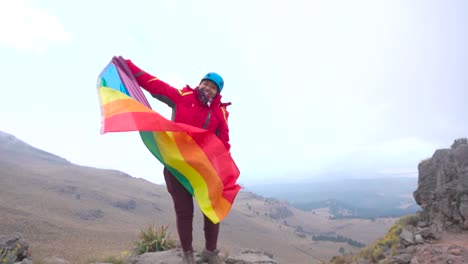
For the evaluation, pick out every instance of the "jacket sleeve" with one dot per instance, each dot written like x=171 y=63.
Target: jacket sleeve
x=224 y=132
x=154 y=86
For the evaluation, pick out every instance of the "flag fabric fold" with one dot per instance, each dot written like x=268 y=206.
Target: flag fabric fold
x=196 y=157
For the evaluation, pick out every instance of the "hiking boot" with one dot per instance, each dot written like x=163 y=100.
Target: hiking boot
x=211 y=257
x=188 y=257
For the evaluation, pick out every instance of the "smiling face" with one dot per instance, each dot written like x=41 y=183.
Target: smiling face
x=209 y=87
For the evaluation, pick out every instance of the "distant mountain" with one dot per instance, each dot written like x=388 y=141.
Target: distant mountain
x=15 y=151
x=348 y=198
x=77 y=212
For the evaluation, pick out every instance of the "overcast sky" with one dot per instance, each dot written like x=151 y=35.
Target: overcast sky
x=319 y=88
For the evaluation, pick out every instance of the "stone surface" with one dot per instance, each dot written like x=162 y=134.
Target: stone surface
x=443 y=187
x=17 y=247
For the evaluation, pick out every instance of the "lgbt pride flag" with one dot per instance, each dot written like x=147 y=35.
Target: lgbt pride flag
x=196 y=157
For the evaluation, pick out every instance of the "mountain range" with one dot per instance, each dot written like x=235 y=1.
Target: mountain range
x=366 y=198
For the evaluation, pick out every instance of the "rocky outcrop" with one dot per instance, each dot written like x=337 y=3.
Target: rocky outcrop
x=438 y=233
x=421 y=242
x=251 y=257
x=443 y=188
x=13 y=249
x=175 y=256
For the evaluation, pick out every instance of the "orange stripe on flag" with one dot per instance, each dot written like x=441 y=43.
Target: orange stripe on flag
x=196 y=158
x=123 y=106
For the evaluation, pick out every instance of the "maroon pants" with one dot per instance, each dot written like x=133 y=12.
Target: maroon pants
x=183 y=204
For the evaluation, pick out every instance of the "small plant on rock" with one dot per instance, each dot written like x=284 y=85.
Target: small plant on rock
x=154 y=239
x=7 y=256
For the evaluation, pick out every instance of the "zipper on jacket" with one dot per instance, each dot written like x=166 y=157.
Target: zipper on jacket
x=207 y=120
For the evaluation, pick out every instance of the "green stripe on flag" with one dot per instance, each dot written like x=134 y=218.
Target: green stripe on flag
x=150 y=143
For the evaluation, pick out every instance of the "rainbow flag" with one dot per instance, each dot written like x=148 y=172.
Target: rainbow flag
x=196 y=157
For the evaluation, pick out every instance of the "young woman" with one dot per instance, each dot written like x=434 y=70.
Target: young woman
x=199 y=107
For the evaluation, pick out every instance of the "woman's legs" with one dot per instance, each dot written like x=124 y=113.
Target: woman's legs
x=211 y=234
x=183 y=205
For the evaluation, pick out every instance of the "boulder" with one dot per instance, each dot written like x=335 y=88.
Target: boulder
x=251 y=257
x=14 y=247
x=443 y=187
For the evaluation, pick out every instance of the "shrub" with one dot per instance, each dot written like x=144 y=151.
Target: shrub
x=337 y=260
x=409 y=220
x=7 y=256
x=341 y=260
x=154 y=239
x=377 y=254
x=376 y=251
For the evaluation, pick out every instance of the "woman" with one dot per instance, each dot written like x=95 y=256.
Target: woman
x=199 y=107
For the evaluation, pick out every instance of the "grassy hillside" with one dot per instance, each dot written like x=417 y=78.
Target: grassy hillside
x=81 y=213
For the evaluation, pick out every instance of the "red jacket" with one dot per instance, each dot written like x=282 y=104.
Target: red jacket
x=186 y=105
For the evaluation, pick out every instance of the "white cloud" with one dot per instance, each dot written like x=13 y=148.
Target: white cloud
x=409 y=146
x=26 y=27
x=175 y=80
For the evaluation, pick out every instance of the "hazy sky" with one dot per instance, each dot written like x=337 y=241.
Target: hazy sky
x=334 y=88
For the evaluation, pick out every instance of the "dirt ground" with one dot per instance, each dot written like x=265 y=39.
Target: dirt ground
x=452 y=248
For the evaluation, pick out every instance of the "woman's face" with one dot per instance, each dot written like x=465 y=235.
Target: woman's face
x=209 y=87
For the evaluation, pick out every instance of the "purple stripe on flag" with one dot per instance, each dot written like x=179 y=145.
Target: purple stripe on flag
x=129 y=81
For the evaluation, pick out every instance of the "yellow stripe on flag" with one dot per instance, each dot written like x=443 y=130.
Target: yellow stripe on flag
x=173 y=158
x=195 y=157
x=108 y=95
